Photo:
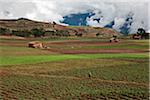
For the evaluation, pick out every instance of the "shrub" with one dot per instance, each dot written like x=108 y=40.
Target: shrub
x=22 y=33
x=62 y=33
x=79 y=34
x=5 y=31
x=38 y=32
x=97 y=34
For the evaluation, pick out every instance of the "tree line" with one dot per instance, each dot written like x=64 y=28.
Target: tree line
x=35 y=32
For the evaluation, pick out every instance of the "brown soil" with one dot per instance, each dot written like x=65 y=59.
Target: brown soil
x=97 y=51
x=77 y=43
x=82 y=78
x=5 y=72
x=80 y=43
x=14 y=43
x=12 y=37
x=89 y=51
x=8 y=73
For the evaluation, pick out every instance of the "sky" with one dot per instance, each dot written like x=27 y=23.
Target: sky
x=132 y=13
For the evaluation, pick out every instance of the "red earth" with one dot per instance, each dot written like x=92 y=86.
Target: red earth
x=97 y=51
x=76 y=43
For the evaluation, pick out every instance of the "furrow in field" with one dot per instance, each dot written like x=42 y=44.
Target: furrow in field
x=85 y=78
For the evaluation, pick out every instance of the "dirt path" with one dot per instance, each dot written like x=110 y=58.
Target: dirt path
x=86 y=78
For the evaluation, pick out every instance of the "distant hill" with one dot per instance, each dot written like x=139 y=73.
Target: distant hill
x=27 y=24
x=24 y=24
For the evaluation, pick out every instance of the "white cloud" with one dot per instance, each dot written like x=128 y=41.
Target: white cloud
x=118 y=22
x=93 y=23
x=119 y=13
x=54 y=10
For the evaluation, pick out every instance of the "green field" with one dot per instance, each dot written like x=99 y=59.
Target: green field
x=36 y=74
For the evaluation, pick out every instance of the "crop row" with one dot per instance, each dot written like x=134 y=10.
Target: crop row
x=27 y=87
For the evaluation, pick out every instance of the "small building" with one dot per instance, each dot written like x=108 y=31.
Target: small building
x=136 y=36
x=141 y=34
x=36 y=44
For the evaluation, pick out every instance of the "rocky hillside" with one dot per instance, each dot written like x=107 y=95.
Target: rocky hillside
x=24 y=24
x=27 y=24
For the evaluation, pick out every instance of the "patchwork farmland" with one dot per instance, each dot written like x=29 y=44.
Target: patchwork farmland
x=61 y=71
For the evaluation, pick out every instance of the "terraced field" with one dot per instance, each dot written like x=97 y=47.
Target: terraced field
x=61 y=72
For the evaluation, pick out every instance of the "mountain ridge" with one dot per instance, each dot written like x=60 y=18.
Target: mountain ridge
x=28 y=24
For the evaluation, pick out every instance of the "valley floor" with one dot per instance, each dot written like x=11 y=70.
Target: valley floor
x=79 y=68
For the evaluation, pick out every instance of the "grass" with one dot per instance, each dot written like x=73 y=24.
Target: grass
x=11 y=60
x=27 y=87
x=28 y=73
x=133 y=47
x=47 y=39
x=135 y=70
x=139 y=41
x=22 y=51
x=116 y=70
x=128 y=44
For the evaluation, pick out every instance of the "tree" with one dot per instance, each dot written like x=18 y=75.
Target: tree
x=49 y=33
x=54 y=23
x=97 y=34
x=22 y=33
x=62 y=33
x=142 y=33
x=38 y=32
x=78 y=34
x=5 y=31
